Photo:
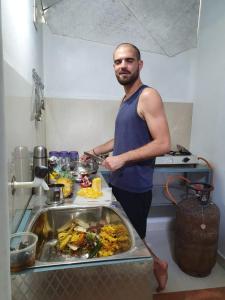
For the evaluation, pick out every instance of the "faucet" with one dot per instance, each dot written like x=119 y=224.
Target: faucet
x=39 y=175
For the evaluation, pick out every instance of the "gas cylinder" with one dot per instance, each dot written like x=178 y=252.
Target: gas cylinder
x=196 y=230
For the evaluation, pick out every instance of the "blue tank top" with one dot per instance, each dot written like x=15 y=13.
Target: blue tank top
x=132 y=132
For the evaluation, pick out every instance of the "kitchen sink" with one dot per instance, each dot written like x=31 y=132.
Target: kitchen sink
x=47 y=222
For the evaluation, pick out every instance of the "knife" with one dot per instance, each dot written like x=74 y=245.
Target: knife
x=95 y=157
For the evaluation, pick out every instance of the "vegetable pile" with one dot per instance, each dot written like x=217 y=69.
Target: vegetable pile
x=78 y=238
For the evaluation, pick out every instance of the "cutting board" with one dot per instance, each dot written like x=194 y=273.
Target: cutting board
x=105 y=199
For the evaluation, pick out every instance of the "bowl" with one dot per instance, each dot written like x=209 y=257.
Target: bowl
x=22 y=250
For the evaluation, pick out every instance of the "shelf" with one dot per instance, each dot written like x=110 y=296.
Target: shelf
x=182 y=169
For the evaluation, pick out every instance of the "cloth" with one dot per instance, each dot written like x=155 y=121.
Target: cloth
x=136 y=206
x=131 y=132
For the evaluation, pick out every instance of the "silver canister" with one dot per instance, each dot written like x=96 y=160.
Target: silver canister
x=55 y=194
x=40 y=158
x=23 y=173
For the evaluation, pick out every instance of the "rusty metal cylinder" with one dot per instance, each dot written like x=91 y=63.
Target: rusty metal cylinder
x=196 y=232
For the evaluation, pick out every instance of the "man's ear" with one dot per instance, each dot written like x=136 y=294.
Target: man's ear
x=140 y=64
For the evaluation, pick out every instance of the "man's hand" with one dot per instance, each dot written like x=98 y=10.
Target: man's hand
x=85 y=158
x=113 y=163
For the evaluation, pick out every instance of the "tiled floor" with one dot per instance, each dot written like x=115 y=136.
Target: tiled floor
x=206 y=294
x=160 y=237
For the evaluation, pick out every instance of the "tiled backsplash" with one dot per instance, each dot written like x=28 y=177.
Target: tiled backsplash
x=81 y=124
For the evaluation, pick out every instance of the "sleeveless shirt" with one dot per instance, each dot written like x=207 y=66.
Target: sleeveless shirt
x=132 y=132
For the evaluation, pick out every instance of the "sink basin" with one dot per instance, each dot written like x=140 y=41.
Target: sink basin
x=49 y=221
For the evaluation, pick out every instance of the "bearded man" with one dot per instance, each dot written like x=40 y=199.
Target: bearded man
x=141 y=134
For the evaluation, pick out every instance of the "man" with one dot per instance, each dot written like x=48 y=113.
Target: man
x=141 y=134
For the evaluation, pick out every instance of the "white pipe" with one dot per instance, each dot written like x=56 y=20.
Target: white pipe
x=38 y=182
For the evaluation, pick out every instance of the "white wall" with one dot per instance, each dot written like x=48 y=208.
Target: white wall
x=22 y=44
x=75 y=68
x=208 y=129
x=4 y=218
x=22 y=51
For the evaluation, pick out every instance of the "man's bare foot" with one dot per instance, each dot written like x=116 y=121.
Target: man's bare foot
x=160 y=268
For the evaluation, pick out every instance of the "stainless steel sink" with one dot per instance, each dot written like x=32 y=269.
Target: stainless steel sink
x=46 y=222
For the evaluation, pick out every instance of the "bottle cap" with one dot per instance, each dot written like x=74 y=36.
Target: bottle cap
x=53 y=153
x=40 y=152
x=63 y=154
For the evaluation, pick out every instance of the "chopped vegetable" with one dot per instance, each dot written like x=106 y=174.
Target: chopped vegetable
x=97 y=241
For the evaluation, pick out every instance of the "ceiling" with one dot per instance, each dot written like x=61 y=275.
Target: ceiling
x=167 y=27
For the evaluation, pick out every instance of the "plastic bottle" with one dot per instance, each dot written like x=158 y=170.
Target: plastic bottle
x=63 y=158
x=73 y=156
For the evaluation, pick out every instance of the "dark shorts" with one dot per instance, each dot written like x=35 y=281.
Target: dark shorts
x=136 y=206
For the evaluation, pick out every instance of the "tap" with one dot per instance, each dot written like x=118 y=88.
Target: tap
x=39 y=181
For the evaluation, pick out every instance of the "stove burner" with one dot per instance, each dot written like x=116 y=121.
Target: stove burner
x=181 y=156
x=179 y=153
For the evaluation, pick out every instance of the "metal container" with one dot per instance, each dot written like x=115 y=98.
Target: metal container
x=48 y=220
x=79 y=168
x=196 y=231
x=40 y=158
x=55 y=194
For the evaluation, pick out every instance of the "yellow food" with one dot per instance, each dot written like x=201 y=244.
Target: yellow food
x=97 y=184
x=114 y=239
x=68 y=186
x=53 y=176
x=109 y=240
x=89 y=193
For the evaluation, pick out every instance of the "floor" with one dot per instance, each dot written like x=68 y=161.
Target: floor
x=160 y=238
x=206 y=294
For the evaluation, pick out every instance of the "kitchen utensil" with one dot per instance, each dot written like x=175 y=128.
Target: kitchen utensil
x=97 y=158
x=105 y=199
x=80 y=168
x=22 y=250
x=39 y=160
x=55 y=194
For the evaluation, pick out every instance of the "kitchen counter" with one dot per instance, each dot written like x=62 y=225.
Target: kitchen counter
x=127 y=276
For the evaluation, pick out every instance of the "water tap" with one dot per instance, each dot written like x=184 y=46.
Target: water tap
x=39 y=181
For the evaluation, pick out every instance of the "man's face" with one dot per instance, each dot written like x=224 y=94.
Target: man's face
x=126 y=65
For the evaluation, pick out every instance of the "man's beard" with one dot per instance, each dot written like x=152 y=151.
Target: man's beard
x=128 y=80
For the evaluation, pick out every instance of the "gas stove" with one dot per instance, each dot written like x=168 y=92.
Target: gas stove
x=181 y=156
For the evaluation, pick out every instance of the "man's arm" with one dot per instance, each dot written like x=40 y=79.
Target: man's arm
x=150 y=108
x=104 y=148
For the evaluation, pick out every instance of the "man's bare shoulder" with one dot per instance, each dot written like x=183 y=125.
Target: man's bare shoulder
x=149 y=92
x=150 y=99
